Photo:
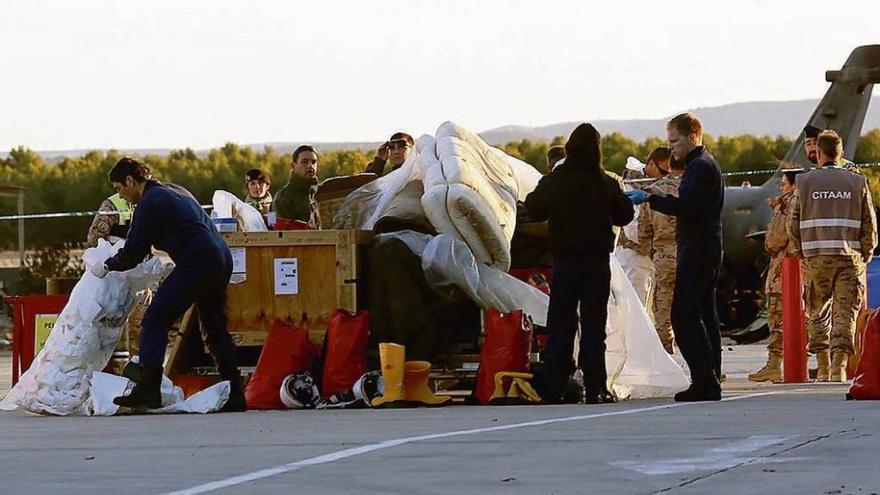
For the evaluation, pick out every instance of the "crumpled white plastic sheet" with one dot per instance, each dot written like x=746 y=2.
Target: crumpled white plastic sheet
x=105 y=387
x=227 y=205
x=61 y=379
x=638 y=367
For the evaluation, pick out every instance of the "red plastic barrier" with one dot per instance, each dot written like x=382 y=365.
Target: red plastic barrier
x=287 y=350
x=866 y=384
x=507 y=347
x=345 y=362
x=24 y=313
x=794 y=331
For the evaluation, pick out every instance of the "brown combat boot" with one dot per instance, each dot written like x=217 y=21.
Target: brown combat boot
x=771 y=372
x=824 y=360
x=838 y=367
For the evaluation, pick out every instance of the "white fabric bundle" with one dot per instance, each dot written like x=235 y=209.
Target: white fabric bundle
x=64 y=378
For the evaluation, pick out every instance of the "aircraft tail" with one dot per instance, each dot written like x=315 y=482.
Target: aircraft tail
x=845 y=104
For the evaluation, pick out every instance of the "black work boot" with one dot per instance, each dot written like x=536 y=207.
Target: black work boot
x=146 y=393
x=599 y=397
x=703 y=388
x=236 y=401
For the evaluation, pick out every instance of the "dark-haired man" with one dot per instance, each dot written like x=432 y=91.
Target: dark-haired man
x=698 y=255
x=554 y=155
x=170 y=219
x=656 y=233
x=834 y=227
x=394 y=150
x=296 y=200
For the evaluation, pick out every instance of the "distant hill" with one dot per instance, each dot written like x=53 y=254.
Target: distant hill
x=758 y=118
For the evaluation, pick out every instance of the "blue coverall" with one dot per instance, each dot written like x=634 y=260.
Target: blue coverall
x=698 y=210
x=170 y=219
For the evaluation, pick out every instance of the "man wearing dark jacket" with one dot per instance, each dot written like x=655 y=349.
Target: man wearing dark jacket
x=394 y=150
x=582 y=204
x=698 y=235
x=170 y=219
x=296 y=200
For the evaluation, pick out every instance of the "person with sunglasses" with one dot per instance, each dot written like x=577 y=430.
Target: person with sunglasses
x=394 y=150
x=256 y=184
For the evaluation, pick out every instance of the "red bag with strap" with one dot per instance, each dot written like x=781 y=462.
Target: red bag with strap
x=866 y=384
x=287 y=350
x=507 y=347
x=345 y=361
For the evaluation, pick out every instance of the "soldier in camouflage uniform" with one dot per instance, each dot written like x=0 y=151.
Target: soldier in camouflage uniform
x=834 y=226
x=256 y=185
x=778 y=245
x=656 y=233
x=105 y=225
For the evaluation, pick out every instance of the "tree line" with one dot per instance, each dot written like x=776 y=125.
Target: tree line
x=80 y=183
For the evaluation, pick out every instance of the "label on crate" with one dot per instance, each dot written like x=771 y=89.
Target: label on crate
x=43 y=325
x=286 y=276
x=239 y=265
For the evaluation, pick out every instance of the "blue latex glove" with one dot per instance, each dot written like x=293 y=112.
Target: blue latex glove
x=637 y=197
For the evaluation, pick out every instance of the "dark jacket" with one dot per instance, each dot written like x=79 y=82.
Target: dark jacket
x=170 y=219
x=699 y=203
x=581 y=209
x=296 y=200
x=377 y=166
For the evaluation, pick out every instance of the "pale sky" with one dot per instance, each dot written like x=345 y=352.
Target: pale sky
x=170 y=74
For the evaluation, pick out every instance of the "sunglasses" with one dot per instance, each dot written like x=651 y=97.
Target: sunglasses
x=398 y=144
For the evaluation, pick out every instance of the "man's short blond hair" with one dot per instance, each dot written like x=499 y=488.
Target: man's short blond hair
x=830 y=144
x=686 y=124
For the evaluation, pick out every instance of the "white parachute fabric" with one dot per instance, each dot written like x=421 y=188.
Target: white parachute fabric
x=105 y=387
x=639 y=271
x=637 y=365
x=471 y=192
x=364 y=206
x=227 y=205
x=84 y=337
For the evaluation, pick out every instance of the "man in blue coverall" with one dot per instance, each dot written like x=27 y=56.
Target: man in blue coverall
x=698 y=235
x=170 y=219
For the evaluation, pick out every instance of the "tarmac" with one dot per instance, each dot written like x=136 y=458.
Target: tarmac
x=762 y=438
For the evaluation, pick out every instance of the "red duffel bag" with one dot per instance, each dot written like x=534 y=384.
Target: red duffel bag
x=507 y=347
x=866 y=384
x=345 y=361
x=287 y=350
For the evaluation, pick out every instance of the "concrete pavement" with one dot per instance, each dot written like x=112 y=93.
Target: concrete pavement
x=797 y=439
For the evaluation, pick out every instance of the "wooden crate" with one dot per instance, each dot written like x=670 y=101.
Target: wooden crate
x=331 y=274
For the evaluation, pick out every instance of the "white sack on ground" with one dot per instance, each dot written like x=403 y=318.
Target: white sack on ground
x=84 y=337
x=227 y=205
x=638 y=367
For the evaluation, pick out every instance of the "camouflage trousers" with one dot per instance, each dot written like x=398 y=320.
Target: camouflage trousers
x=773 y=292
x=833 y=292
x=664 y=284
x=774 y=321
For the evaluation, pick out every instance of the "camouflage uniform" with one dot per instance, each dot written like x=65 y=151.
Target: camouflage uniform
x=103 y=225
x=831 y=276
x=657 y=240
x=263 y=205
x=778 y=246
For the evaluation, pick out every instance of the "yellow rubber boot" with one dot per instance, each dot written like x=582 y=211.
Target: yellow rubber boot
x=823 y=358
x=415 y=385
x=392 y=357
x=838 y=367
